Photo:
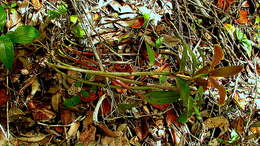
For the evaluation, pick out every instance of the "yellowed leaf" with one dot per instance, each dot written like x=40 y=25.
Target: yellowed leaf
x=73 y=129
x=36 y=4
x=217 y=122
x=55 y=101
x=35 y=138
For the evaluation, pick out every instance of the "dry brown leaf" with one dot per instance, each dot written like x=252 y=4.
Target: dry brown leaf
x=88 y=135
x=3 y=97
x=221 y=90
x=238 y=124
x=36 y=4
x=203 y=70
x=55 y=101
x=35 y=138
x=217 y=122
x=73 y=129
x=218 y=56
x=43 y=114
x=107 y=131
x=243 y=17
x=226 y=71
x=67 y=117
x=14 y=19
x=170 y=40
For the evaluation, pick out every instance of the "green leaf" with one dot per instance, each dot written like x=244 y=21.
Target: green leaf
x=159 y=42
x=183 y=118
x=151 y=54
x=3 y=17
x=74 y=19
x=247 y=45
x=23 y=34
x=78 y=31
x=233 y=137
x=84 y=93
x=70 y=102
x=163 y=79
x=53 y=14
x=162 y=97
x=6 y=52
x=126 y=106
x=185 y=96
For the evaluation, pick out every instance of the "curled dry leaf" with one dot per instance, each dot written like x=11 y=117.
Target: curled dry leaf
x=226 y=71
x=221 y=90
x=218 y=56
x=35 y=138
x=225 y=4
x=43 y=114
x=55 y=101
x=217 y=122
x=107 y=131
x=73 y=129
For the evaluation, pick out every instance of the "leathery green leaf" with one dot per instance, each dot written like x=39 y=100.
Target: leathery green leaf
x=162 y=97
x=151 y=54
x=23 y=34
x=6 y=52
x=3 y=16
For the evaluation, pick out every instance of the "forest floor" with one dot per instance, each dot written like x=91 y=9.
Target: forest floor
x=129 y=72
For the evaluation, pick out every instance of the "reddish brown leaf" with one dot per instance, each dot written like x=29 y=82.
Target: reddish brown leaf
x=107 y=131
x=106 y=107
x=221 y=90
x=238 y=124
x=142 y=128
x=226 y=71
x=243 y=17
x=43 y=114
x=160 y=106
x=3 y=97
x=225 y=4
x=171 y=118
x=201 y=82
x=258 y=68
x=66 y=117
x=122 y=84
x=218 y=56
x=138 y=23
x=88 y=135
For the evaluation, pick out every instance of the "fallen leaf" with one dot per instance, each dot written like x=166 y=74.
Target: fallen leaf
x=34 y=138
x=43 y=114
x=171 y=118
x=225 y=4
x=106 y=107
x=73 y=129
x=137 y=23
x=170 y=40
x=3 y=97
x=226 y=71
x=217 y=122
x=141 y=128
x=107 y=131
x=218 y=56
x=66 y=117
x=161 y=106
x=243 y=17
x=238 y=124
x=36 y=4
x=55 y=101
x=88 y=135
x=221 y=90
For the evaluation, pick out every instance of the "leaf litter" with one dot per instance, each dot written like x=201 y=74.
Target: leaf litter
x=116 y=72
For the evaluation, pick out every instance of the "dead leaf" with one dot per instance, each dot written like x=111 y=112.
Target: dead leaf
x=35 y=138
x=243 y=17
x=106 y=107
x=217 y=122
x=88 y=135
x=73 y=129
x=218 y=56
x=238 y=124
x=3 y=97
x=43 y=114
x=36 y=4
x=170 y=40
x=35 y=87
x=14 y=19
x=203 y=70
x=107 y=131
x=137 y=23
x=171 y=118
x=55 y=101
x=141 y=128
x=160 y=106
x=221 y=90
x=66 y=117
x=225 y=4
x=226 y=71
